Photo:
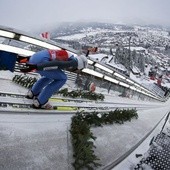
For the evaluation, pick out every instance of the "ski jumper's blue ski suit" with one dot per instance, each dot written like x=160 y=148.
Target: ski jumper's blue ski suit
x=50 y=65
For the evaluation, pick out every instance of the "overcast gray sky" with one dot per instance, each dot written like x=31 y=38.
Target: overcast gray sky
x=33 y=14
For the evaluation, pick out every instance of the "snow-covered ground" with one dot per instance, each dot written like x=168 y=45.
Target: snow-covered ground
x=42 y=141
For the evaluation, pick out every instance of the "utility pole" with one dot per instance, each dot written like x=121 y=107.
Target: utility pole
x=129 y=55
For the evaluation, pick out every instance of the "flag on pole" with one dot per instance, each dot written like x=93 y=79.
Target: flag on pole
x=45 y=35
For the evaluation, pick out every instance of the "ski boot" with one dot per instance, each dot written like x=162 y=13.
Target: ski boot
x=30 y=95
x=37 y=105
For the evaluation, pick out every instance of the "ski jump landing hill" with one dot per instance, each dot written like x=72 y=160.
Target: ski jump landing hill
x=39 y=140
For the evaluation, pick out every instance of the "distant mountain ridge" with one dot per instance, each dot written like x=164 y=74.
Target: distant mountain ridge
x=68 y=28
x=73 y=28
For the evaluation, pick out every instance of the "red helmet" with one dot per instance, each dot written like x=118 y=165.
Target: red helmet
x=61 y=55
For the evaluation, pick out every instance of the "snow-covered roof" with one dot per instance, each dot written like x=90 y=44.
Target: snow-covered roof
x=137 y=48
x=117 y=66
x=98 y=57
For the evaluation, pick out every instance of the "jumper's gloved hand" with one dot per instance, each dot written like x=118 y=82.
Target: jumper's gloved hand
x=29 y=68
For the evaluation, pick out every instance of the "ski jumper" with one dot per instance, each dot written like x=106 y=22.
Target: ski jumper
x=54 y=78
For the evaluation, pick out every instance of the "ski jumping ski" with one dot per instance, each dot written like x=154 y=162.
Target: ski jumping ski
x=18 y=101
